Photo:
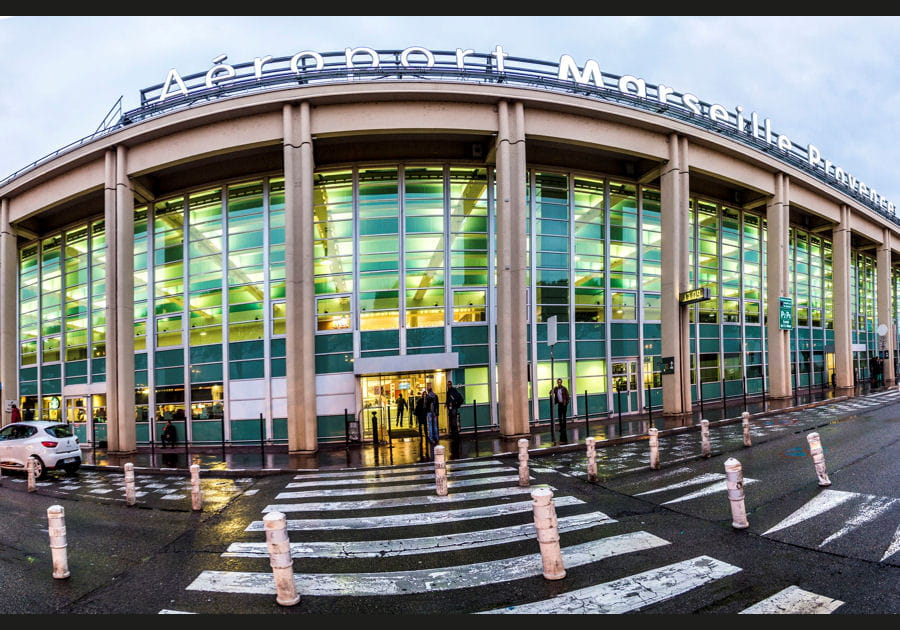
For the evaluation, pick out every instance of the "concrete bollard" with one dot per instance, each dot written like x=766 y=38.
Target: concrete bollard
x=815 y=449
x=129 y=484
x=654 y=449
x=56 y=519
x=196 y=495
x=547 y=533
x=279 y=546
x=734 y=481
x=745 y=421
x=704 y=437
x=524 y=477
x=29 y=470
x=440 y=471
x=591 y=459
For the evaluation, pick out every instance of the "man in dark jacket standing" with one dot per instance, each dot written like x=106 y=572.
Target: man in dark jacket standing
x=559 y=405
x=454 y=402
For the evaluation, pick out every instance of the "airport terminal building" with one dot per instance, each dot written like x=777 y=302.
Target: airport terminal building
x=272 y=249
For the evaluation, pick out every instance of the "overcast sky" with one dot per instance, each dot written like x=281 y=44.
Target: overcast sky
x=831 y=81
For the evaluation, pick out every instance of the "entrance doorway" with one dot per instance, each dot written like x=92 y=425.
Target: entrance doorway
x=87 y=415
x=380 y=398
x=625 y=385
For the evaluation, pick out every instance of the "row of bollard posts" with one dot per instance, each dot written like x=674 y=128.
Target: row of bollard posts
x=196 y=494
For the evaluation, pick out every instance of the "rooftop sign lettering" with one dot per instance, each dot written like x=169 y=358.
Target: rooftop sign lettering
x=310 y=67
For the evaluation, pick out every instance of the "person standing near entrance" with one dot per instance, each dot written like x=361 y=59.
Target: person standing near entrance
x=432 y=409
x=401 y=409
x=454 y=402
x=559 y=405
x=14 y=414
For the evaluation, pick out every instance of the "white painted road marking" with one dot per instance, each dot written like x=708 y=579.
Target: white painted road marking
x=424 y=580
x=391 y=478
x=384 y=489
x=794 y=601
x=399 y=502
x=414 y=519
x=631 y=593
x=425 y=544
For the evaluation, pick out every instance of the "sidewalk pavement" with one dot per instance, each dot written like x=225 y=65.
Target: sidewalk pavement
x=608 y=431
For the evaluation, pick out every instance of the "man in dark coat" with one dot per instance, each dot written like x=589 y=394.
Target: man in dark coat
x=559 y=405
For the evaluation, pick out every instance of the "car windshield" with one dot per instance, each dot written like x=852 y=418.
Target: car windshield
x=60 y=430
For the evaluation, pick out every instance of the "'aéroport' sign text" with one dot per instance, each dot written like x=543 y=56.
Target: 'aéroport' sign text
x=567 y=69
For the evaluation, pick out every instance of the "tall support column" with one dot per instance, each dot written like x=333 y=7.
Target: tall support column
x=113 y=351
x=885 y=306
x=675 y=191
x=9 y=377
x=777 y=286
x=123 y=438
x=301 y=297
x=843 y=355
x=512 y=355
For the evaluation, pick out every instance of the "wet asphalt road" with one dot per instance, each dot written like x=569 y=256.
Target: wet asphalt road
x=839 y=542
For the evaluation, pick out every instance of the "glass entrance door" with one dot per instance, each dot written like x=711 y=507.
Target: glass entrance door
x=625 y=387
x=381 y=395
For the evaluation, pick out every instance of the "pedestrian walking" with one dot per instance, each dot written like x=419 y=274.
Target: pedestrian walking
x=14 y=414
x=432 y=409
x=559 y=405
x=419 y=410
x=401 y=409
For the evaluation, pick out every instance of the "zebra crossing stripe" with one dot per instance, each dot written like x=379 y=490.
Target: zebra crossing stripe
x=368 y=490
x=428 y=499
x=425 y=544
x=398 y=469
x=392 y=478
x=424 y=580
x=794 y=601
x=631 y=593
x=412 y=520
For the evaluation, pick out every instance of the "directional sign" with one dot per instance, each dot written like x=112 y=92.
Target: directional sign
x=785 y=313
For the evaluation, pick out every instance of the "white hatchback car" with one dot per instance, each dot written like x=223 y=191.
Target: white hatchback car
x=52 y=446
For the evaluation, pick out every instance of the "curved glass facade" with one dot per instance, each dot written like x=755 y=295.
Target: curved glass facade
x=404 y=264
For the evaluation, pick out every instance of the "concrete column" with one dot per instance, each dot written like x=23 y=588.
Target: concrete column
x=301 y=298
x=777 y=285
x=9 y=375
x=113 y=352
x=885 y=303
x=125 y=438
x=843 y=355
x=675 y=192
x=512 y=355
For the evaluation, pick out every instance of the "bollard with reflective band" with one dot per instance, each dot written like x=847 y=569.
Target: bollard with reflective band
x=279 y=546
x=56 y=520
x=29 y=469
x=129 y=483
x=524 y=476
x=734 y=481
x=745 y=421
x=654 y=449
x=547 y=533
x=704 y=437
x=815 y=449
x=196 y=495
x=591 y=459
x=440 y=471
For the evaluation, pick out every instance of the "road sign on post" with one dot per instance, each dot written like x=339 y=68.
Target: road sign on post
x=785 y=313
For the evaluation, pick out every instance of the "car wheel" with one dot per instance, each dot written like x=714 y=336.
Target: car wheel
x=40 y=471
x=72 y=468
